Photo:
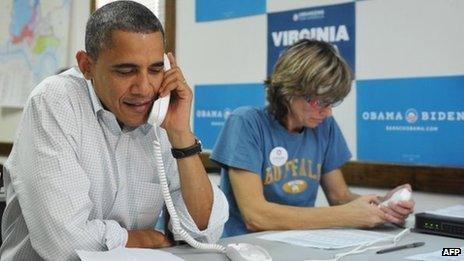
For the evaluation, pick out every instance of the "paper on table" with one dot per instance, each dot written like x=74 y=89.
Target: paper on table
x=127 y=254
x=454 y=211
x=327 y=238
x=437 y=256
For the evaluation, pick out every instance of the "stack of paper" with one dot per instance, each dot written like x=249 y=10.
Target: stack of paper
x=327 y=238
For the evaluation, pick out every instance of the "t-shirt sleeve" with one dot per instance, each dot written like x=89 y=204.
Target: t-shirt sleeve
x=239 y=143
x=337 y=152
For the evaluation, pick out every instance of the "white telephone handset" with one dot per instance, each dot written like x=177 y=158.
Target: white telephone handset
x=233 y=251
x=161 y=105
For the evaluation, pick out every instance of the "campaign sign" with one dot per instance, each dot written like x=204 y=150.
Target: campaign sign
x=214 y=103
x=209 y=10
x=334 y=24
x=413 y=120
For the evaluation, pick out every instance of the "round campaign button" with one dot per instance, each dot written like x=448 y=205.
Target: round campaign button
x=278 y=156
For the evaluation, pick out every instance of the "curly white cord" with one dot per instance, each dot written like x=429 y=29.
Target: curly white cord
x=170 y=206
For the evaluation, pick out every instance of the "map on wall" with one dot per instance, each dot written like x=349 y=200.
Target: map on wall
x=33 y=45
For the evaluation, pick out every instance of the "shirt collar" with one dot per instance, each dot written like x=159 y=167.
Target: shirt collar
x=96 y=103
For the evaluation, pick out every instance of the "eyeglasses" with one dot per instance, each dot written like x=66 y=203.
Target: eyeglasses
x=318 y=104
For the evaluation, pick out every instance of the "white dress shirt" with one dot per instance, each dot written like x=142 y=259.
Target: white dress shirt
x=75 y=180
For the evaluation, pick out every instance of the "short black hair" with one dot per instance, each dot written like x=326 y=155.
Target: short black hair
x=127 y=16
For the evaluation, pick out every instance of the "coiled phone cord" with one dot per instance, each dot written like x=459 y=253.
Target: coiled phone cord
x=177 y=229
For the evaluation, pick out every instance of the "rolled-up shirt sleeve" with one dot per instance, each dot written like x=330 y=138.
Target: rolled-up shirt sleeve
x=52 y=188
x=218 y=217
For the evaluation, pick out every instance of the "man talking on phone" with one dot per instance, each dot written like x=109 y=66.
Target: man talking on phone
x=82 y=173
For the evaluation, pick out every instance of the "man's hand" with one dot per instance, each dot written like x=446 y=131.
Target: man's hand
x=178 y=116
x=401 y=209
x=147 y=238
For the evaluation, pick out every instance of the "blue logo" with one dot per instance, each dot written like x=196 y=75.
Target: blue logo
x=214 y=103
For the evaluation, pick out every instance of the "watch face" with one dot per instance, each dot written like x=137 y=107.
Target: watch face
x=178 y=154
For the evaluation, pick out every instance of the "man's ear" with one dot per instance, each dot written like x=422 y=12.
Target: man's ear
x=84 y=61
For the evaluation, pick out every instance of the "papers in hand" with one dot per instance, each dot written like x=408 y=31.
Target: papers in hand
x=127 y=254
x=327 y=238
x=454 y=211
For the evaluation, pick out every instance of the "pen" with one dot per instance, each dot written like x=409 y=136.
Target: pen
x=415 y=244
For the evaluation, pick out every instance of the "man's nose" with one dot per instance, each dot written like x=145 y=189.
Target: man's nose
x=143 y=85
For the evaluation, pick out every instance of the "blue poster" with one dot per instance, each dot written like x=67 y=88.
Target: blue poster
x=413 y=120
x=214 y=103
x=334 y=24
x=209 y=10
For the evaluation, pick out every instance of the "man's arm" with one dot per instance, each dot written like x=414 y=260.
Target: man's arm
x=195 y=184
x=259 y=214
x=215 y=219
x=147 y=238
x=197 y=195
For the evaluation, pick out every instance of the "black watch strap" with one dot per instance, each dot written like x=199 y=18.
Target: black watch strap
x=186 y=152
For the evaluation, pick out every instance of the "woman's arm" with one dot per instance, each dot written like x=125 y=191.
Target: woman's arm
x=335 y=188
x=259 y=214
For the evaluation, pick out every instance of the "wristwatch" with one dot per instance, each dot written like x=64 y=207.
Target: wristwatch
x=186 y=152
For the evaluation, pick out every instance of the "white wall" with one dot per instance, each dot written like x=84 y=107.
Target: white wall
x=409 y=38
x=79 y=16
x=220 y=52
x=394 y=38
x=80 y=10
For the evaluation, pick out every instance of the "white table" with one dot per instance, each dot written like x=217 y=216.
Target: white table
x=282 y=251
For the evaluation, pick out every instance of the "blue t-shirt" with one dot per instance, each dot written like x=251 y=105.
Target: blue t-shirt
x=290 y=164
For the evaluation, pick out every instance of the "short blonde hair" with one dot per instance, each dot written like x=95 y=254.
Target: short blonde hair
x=308 y=67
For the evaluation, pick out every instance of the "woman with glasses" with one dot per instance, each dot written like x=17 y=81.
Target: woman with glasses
x=274 y=158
